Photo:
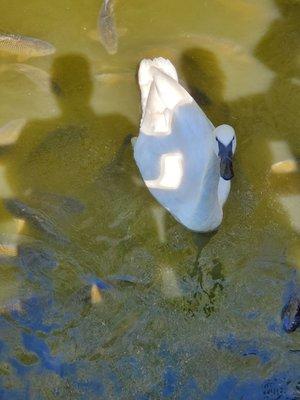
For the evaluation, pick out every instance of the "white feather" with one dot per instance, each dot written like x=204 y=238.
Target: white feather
x=175 y=149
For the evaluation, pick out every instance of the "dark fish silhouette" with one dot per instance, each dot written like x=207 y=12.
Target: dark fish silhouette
x=290 y=314
x=27 y=253
x=57 y=204
x=126 y=280
x=36 y=257
x=36 y=219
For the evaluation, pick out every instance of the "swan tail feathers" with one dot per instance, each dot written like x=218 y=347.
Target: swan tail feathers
x=146 y=75
x=156 y=118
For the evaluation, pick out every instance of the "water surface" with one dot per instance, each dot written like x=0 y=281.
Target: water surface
x=204 y=321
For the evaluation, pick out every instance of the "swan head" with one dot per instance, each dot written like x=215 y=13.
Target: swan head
x=224 y=145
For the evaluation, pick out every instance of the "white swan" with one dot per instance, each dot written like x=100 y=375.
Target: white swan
x=184 y=160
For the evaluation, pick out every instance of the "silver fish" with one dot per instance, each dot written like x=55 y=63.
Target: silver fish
x=24 y=47
x=36 y=75
x=10 y=132
x=107 y=27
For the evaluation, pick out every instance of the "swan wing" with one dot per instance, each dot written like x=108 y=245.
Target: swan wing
x=160 y=98
x=174 y=150
x=174 y=166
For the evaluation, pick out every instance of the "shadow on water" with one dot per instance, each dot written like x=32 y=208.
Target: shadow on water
x=205 y=81
x=64 y=154
x=68 y=154
x=273 y=115
x=258 y=119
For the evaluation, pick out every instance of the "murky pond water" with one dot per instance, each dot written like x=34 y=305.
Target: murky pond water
x=194 y=316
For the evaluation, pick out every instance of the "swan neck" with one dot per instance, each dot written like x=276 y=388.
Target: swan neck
x=209 y=211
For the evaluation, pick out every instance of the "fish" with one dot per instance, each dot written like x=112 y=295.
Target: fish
x=10 y=132
x=243 y=347
x=107 y=27
x=35 y=218
x=93 y=291
x=290 y=314
x=93 y=34
x=30 y=256
x=126 y=279
x=57 y=204
x=26 y=252
x=99 y=283
x=90 y=293
x=36 y=75
x=24 y=47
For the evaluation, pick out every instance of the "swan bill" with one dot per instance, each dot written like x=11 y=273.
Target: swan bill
x=226 y=169
x=226 y=155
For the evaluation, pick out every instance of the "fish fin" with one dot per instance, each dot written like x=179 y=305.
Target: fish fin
x=96 y=296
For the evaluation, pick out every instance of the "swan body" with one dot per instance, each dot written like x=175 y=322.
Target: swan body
x=179 y=153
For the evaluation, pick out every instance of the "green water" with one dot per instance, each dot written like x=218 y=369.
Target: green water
x=240 y=60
